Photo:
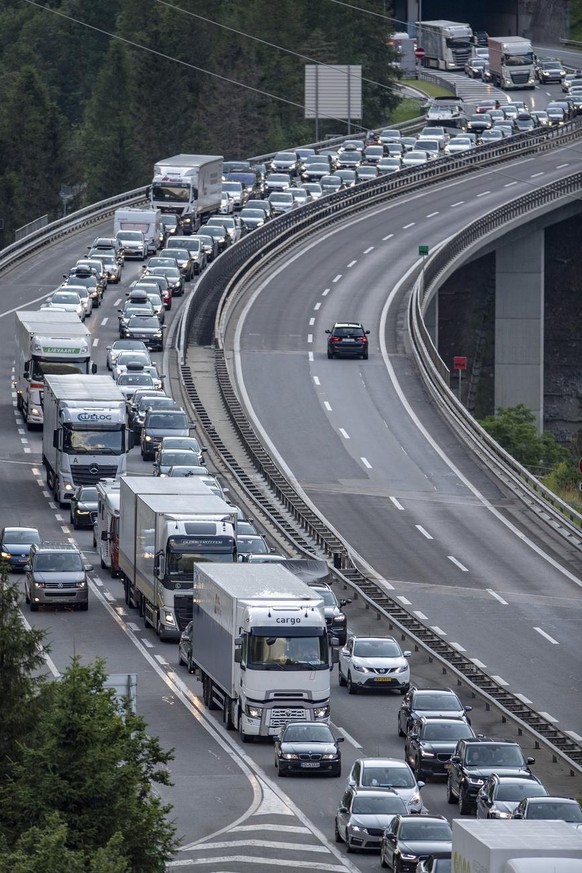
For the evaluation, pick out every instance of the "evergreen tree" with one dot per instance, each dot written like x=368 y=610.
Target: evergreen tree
x=514 y=429
x=21 y=659
x=93 y=766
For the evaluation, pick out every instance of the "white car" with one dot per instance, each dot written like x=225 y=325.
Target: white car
x=130 y=356
x=123 y=345
x=86 y=298
x=459 y=144
x=392 y=774
x=66 y=301
x=414 y=158
x=373 y=662
x=226 y=205
x=435 y=133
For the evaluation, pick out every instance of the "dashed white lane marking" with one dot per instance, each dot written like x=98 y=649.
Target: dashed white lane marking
x=161 y=660
x=438 y=630
x=352 y=263
x=457 y=563
x=561 y=167
x=310 y=357
x=58 y=516
x=52 y=504
x=325 y=292
x=309 y=337
x=546 y=636
x=458 y=203
x=366 y=463
x=500 y=681
x=327 y=405
x=535 y=175
x=483 y=193
x=311 y=322
x=349 y=738
x=432 y=214
x=344 y=433
x=397 y=504
x=337 y=278
x=98 y=582
x=117 y=302
x=104 y=321
x=509 y=184
x=96 y=341
x=46 y=494
x=406 y=226
x=316 y=380
x=479 y=663
x=404 y=600
x=524 y=699
x=368 y=250
x=496 y=596
x=424 y=532
x=420 y=615
x=27 y=451
x=317 y=305
x=133 y=626
x=458 y=647
x=549 y=717
x=389 y=236
x=108 y=596
x=147 y=643
x=21 y=431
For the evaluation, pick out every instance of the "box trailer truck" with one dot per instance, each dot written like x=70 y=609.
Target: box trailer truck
x=189 y=186
x=448 y=45
x=511 y=62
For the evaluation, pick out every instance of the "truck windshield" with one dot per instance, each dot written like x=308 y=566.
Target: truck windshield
x=518 y=60
x=177 y=192
x=42 y=368
x=184 y=552
x=93 y=442
x=287 y=653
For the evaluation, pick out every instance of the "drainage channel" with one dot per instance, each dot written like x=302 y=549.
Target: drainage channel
x=307 y=532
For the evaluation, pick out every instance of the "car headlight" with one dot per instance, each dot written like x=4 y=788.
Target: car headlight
x=340 y=618
x=356 y=829
x=5 y=555
x=360 y=668
x=328 y=757
x=407 y=856
x=81 y=584
x=35 y=411
x=414 y=800
x=401 y=669
x=253 y=711
x=290 y=756
x=474 y=781
x=68 y=486
x=148 y=439
x=169 y=618
x=427 y=754
x=158 y=334
x=321 y=711
x=39 y=584
x=496 y=814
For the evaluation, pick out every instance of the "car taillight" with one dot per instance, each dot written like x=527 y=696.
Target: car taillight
x=336 y=339
x=364 y=339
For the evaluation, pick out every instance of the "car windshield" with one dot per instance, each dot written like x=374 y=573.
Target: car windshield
x=66 y=297
x=125 y=358
x=555 y=809
x=135 y=379
x=308 y=733
x=447 y=731
x=494 y=755
x=251 y=545
x=89 y=495
x=180 y=458
x=387 y=805
x=328 y=596
x=252 y=213
x=513 y=792
x=434 y=700
x=144 y=321
x=348 y=331
x=130 y=235
x=21 y=536
x=54 y=562
x=165 y=420
x=389 y=776
x=146 y=402
x=376 y=649
x=425 y=830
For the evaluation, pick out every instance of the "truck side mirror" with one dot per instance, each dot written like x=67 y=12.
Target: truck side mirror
x=104 y=536
x=238 y=647
x=130 y=439
x=26 y=372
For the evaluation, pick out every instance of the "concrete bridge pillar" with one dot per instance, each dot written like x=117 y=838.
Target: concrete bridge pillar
x=519 y=322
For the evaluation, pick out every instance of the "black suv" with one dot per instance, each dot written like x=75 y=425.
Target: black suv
x=335 y=618
x=347 y=338
x=475 y=759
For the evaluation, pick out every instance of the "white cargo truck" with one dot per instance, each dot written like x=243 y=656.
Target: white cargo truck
x=448 y=45
x=511 y=62
x=260 y=646
x=189 y=186
x=47 y=342
x=166 y=526
x=493 y=846
x=146 y=220
x=85 y=437
x=106 y=526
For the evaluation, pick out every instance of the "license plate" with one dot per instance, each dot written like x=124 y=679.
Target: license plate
x=383 y=679
x=448 y=765
x=310 y=764
x=349 y=340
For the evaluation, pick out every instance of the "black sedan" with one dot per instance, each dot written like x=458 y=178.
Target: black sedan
x=412 y=838
x=146 y=328
x=431 y=742
x=84 y=506
x=430 y=702
x=15 y=543
x=305 y=747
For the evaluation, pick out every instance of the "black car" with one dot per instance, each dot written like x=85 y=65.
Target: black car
x=479 y=122
x=141 y=402
x=307 y=747
x=500 y=795
x=430 y=702
x=220 y=234
x=410 y=839
x=431 y=742
x=347 y=338
x=146 y=328
x=335 y=618
x=15 y=543
x=159 y=423
x=83 y=506
x=474 y=760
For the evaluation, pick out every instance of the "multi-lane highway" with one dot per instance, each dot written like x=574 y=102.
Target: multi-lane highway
x=437 y=532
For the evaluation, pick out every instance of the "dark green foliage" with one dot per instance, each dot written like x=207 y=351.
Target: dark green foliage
x=93 y=767
x=514 y=429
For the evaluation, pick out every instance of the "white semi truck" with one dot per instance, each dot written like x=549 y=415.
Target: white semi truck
x=490 y=846
x=261 y=647
x=448 y=45
x=85 y=436
x=47 y=342
x=146 y=220
x=190 y=186
x=166 y=526
x=106 y=526
x=511 y=62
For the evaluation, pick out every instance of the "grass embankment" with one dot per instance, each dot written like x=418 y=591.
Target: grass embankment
x=428 y=88
x=411 y=107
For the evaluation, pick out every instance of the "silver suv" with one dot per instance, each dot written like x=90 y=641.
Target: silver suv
x=56 y=575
